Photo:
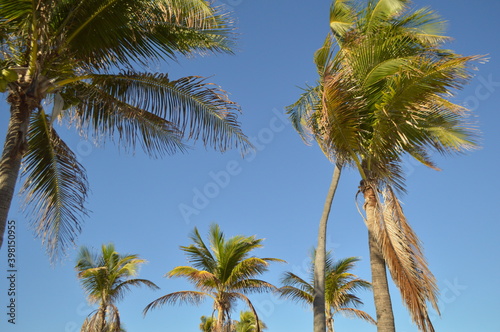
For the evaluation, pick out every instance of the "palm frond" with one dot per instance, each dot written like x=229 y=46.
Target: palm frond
x=190 y=297
x=380 y=11
x=120 y=290
x=342 y=18
x=203 y=280
x=56 y=187
x=109 y=33
x=199 y=254
x=356 y=313
x=301 y=111
x=248 y=286
x=296 y=294
x=199 y=110
x=402 y=252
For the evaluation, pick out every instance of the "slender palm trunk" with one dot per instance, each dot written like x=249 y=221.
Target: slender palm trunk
x=329 y=321
x=381 y=295
x=14 y=148
x=319 y=261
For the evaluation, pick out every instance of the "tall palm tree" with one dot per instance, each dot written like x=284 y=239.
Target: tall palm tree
x=85 y=62
x=105 y=278
x=248 y=323
x=340 y=291
x=382 y=95
x=223 y=271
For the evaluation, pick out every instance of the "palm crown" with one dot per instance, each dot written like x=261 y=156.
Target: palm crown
x=80 y=58
x=223 y=271
x=105 y=278
x=340 y=289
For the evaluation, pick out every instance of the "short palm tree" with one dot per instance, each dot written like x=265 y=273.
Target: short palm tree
x=248 y=323
x=382 y=95
x=207 y=323
x=340 y=290
x=86 y=62
x=105 y=278
x=223 y=271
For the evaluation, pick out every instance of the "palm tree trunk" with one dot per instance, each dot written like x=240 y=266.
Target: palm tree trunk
x=13 y=151
x=381 y=295
x=329 y=321
x=102 y=310
x=221 y=319
x=319 y=261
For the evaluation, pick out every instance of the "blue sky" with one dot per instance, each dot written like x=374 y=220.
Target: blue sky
x=278 y=192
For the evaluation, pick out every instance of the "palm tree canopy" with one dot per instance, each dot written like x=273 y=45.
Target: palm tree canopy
x=384 y=90
x=223 y=270
x=105 y=278
x=88 y=61
x=108 y=275
x=340 y=287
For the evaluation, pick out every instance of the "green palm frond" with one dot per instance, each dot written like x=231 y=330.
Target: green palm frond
x=203 y=280
x=296 y=294
x=247 y=286
x=189 y=297
x=105 y=116
x=424 y=24
x=301 y=111
x=342 y=17
x=15 y=10
x=120 y=289
x=190 y=105
x=124 y=32
x=248 y=268
x=380 y=11
x=199 y=254
x=323 y=55
x=55 y=185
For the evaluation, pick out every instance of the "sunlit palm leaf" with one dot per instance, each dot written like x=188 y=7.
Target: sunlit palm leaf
x=199 y=110
x=55 y=186
x=143 y=30
x=188 y=297
x=342 y=17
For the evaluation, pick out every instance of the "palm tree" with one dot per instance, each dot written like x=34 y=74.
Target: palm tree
x=382 y=95
x=248 y=323
x=223 y=271
x=341 y=286
x=87 y=61
x=105 y=278
x=207 y=323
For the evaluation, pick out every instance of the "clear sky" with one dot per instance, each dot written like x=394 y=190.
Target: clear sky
x=278 y=192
